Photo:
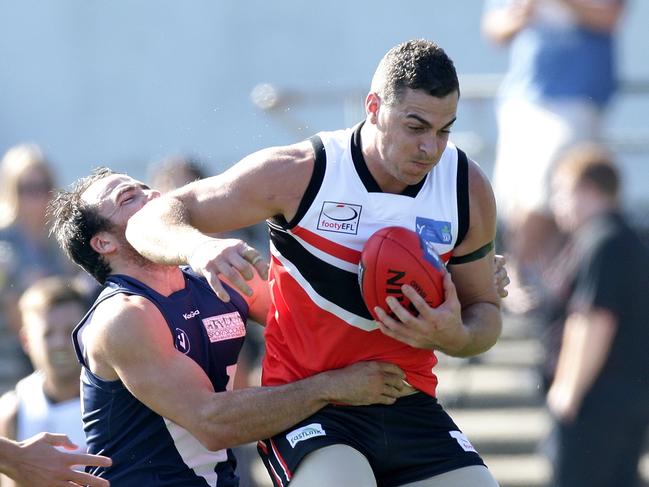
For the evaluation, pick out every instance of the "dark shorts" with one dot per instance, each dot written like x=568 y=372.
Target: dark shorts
x=412 y=440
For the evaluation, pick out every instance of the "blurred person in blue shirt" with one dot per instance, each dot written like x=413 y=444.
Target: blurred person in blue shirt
x=26 y=251
x=560 y=78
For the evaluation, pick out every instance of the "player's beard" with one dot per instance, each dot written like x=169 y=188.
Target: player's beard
x=128 y=252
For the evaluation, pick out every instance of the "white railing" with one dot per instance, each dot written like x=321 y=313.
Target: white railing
x=476 y=130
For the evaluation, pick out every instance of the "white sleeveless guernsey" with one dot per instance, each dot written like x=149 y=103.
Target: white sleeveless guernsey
x=37 y=414
x=318 y=320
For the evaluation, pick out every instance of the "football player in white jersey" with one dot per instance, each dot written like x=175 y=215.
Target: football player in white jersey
x=402 y=145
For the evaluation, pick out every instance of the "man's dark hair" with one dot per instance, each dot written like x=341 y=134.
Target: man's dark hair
x=603 y=176
x=74 y=222
x=52 y=291
x=592 y=164
x=416 y=64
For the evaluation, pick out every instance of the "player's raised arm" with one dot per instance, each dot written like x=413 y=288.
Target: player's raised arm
x=174 y=229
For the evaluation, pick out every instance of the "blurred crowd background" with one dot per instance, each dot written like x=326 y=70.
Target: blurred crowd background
x=170 y=92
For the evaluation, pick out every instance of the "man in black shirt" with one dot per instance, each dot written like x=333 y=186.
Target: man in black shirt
x=599 y=394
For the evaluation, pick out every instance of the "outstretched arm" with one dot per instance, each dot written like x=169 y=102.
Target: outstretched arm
x=173 y=229
x=133 y=343
x=37 y=461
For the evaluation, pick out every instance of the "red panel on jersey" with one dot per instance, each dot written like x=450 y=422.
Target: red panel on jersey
x=308 y=340
x=332 y=248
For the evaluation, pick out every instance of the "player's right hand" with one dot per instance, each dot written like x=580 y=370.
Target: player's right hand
x=233 y=258
x=366 y=383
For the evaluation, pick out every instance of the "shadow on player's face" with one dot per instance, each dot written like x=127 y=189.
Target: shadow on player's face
x=119 y=197
x=413 y=134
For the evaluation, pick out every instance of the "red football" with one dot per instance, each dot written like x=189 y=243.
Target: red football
x=395 y=256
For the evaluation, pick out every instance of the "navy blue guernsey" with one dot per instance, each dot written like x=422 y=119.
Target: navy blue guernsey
x=147 y=449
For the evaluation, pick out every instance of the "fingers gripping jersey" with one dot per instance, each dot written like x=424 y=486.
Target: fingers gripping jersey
x=318 y=320
x=147 y=449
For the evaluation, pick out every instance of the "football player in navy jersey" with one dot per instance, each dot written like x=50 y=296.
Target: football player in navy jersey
x=159 y=351
x=396 y=167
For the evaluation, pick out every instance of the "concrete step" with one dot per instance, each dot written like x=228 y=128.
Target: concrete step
x=507 y=430
x=488 y=386
x=536 y=471
x=520 y=352
x=516 y=326
x=515 y=352
x=504 y=431
x=519 y=470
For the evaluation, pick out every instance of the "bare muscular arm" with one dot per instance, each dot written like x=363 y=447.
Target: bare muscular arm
x=473 y=281
x=468 y=322
x=173 y=228
x=131 y=341
x=259 y=301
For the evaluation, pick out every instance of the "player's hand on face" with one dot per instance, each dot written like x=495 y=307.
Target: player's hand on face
x=501 y=278
x=434 y=328
x=234 y=259
x=367 y=383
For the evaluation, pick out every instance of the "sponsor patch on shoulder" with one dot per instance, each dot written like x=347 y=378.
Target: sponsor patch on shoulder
x=305 y=433
x=462 y=440
x=339 y=217
x=224 y=327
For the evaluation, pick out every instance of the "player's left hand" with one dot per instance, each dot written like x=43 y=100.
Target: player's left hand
x=438 y=328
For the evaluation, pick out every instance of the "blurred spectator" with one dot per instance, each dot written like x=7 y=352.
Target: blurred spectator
x=599 y=391
x=178 y=170
x=561 y=77
x=48 y=399
x=175 y=171
x=26 y=251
